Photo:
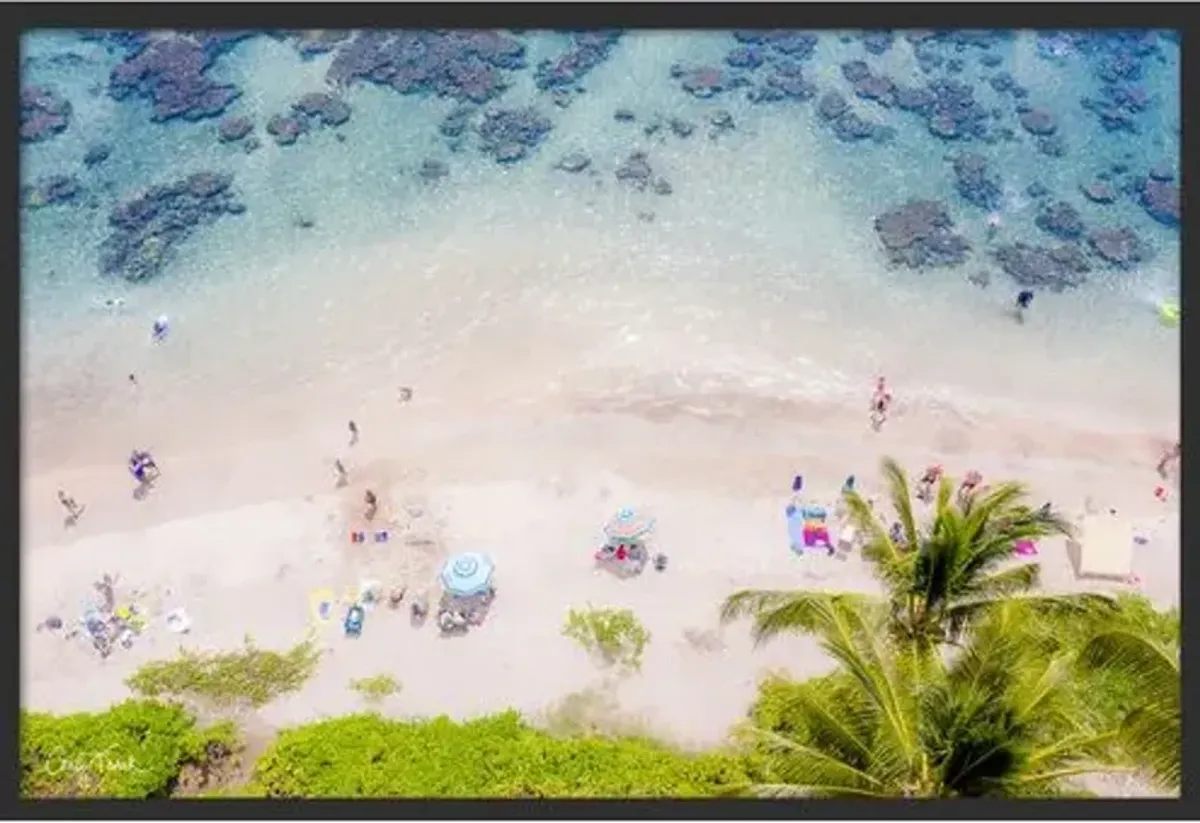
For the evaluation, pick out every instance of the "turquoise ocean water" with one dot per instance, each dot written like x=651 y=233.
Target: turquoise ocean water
x=760 y=274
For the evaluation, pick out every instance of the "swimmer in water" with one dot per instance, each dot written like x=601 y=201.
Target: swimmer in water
x=1024 y=301
x=881 y=401
x=928 y=480
x=994 y=222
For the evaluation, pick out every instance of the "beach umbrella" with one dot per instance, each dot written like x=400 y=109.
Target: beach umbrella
x=467 y=574
x=628 y=524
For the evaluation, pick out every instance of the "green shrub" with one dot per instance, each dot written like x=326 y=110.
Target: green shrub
x=136 y=749
x=615 y=636
x=248 y=676
x=376 y=689
x=495 y=756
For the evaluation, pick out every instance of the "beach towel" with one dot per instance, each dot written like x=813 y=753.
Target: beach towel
x=807 y=528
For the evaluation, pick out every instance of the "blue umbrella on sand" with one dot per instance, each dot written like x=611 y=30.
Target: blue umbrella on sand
x=467 y=574
x=628 y=524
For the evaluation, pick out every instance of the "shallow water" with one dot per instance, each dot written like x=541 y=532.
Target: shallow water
x=760 y=274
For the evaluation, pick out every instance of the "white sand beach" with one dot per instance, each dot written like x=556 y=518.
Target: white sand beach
x=242 y=539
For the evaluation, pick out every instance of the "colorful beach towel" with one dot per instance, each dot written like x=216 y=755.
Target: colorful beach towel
x=807 y=528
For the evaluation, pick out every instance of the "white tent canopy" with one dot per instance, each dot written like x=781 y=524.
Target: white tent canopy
x=1105 y=547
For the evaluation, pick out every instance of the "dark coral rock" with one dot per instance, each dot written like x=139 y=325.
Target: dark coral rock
x=232 y=129
x=990 y=60
x=831 y=106
x=745 y=57
x=504 y=131
x=147 y=230
x=96 y=154
x=589 y=49
x=681 y=128
x=313 y=42
x=456 y=122
x=329 y=110
x=171 y=73
x=786 y=82
x=708 y=81
x=1053 y=268
x=54 y=190
x=1162 y=172
x=1038 y=121
x=883 y=134
x=1160 y=199
x=43 y=114
x=954 y=114
x=463 y=64
x=1099 y=192
x=855 y=70
x=850 y=128
x=662 y=187
x=1121 y=246
x=286 y=129
x=914 y=99
x=574 y=162
x=797 y=44
x=1052 y=146
x=635 y=171
x=975 y=183
x=624 y=116
x=876 y=87
x=432 y=170
x=878 y=42
x=955 y=66
x=1061 y=219
x=919 y=234
x=721 y=120
x=1037 y=190
x=1002 y=82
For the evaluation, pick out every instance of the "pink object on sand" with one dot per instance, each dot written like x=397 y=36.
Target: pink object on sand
x=1025 y=548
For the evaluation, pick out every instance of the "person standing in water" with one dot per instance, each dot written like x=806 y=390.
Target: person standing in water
x=881 y=401
x=994 y=222
x=1024 y=301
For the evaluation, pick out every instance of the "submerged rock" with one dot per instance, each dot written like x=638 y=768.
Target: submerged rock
x=1052 y=146
x=975 y=183
x=1120 y=246
x=1061 y=219
x=624 y=116
x=878 y=42
x=919 y=234
x=588 y=50
x=1055 y=268
x=635 y=171
x=456 y=122
x=44 y=113
x=232 y=129
x=325 y=108
x=170 y=72
x=508 y=134
x=831 y=106
x=57 y=189
x=462 y=64
x=286 y=129
x=1099 y=192
x=681 y=128
x=574 y=162
x=1160 y=199
x=432 y=170
x=708 y=81
x=147 y=230
x=96 y=154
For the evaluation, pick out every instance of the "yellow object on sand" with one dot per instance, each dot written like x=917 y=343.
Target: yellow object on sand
x=1168 y=313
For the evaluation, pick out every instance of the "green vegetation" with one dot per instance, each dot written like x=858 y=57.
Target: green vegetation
x=615 y=636
x=136 y=749
x=376 y=689
x=496 y=756
x=961 y=680
x=247 y=677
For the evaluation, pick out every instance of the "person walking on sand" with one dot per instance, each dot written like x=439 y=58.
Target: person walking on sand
x=340 y=470
x=881 y=401
x=68 y=503
x=372 y=505
x=1024 y=301
x=353 y=432
x=1169 y=460
x=968 y=486
x=928 y=480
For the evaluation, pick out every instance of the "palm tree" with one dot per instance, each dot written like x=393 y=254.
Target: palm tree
x=995 y=720
x=1151 y=732
x=937 y=577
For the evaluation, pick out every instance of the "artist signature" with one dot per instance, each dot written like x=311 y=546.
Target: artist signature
x=59 y=763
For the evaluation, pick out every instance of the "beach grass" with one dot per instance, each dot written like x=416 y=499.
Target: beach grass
x=614 y=636
x=248 y=676
x=376 y=689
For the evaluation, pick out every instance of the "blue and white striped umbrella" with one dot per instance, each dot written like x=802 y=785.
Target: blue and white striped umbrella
x=467 y=574
x=628 y=524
